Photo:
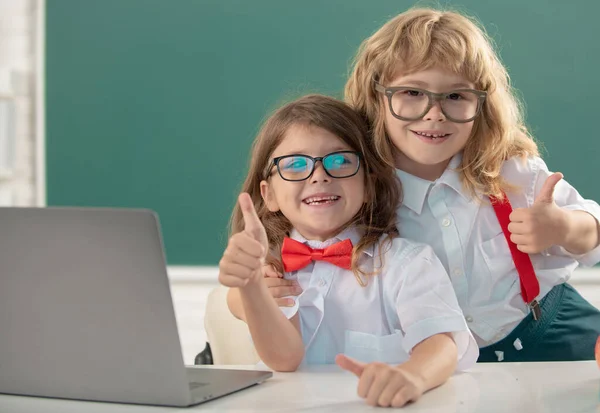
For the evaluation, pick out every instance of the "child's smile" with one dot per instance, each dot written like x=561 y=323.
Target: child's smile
x=431 y=136
x=321 y=205
x=426 y=145
x=321 y=199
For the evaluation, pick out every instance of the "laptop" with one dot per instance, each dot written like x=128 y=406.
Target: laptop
x=86 y=312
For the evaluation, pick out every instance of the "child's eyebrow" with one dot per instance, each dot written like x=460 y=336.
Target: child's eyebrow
x=341 y=148
x=307 y=151
x=418 y=83
x=425 y=85
x=460 y=85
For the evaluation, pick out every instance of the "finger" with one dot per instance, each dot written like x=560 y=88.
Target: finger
x=528 y=249
x=364 y=383
x=546 y=194
x=235 y=270
x=279 y=292
x=403 y=396
x=349 y=364
x=284 y=302
x=279 y=282
x=518 y=215
x=252 y=224
x=270 y=271
x=232 y=281
x=382 y=379
x=516 y=228
x=246 y=243
x=238 y=256
x=520 y=239
x=390 y=390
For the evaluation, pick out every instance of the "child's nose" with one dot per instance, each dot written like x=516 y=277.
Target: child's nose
x=319 y=174
x=435 y=113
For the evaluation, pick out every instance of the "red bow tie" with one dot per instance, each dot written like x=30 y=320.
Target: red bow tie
x=296 y=255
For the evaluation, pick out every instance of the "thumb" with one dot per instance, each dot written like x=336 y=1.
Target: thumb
x=349 y=364
x=546 y=194
x=252 y=224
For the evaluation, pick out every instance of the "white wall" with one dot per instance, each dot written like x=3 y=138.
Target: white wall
x=20 y=51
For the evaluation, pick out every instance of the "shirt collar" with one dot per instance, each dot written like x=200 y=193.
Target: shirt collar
x=451 y=177
x=351 y=233
x=415 y=189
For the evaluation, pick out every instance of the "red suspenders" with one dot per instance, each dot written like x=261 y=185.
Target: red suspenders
x=530 y=287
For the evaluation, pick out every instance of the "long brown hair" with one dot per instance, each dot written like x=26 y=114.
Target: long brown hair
x=419 y=39
x=376 y=217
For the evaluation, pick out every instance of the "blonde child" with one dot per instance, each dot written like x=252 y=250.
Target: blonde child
x=319 y=206
x=443 y=113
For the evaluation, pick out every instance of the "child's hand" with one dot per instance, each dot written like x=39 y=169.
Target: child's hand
x=543 y=224
x=280 y=287
x=381 y=384
x=243 y=259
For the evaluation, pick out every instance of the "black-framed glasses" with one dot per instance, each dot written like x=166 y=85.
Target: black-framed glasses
x=298 y=167
x=410 y=103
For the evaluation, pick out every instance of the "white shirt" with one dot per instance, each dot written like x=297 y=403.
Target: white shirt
x=410 y=300
x=466 y=236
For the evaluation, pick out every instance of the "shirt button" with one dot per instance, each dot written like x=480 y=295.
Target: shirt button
x=446 y=222
x=322 y=283
x=457 y=272
x=469 y=319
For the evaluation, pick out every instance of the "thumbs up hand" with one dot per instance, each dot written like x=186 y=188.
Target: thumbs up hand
x=381 y=384
x=243 y=259
x=543 y=224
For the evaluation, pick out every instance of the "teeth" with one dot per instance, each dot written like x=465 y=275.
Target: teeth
x=430 y=135
x=321 y=199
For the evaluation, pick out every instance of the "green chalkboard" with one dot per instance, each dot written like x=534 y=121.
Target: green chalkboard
x=154 y=103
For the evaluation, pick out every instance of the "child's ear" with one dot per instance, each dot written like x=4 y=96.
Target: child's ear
x=268 y=196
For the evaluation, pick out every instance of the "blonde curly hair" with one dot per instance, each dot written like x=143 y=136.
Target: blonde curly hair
x=422 y=38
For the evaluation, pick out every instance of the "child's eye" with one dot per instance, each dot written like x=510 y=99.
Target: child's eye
x=413 y=93
x=337 y=161
x=295 y=163
x=454 y=96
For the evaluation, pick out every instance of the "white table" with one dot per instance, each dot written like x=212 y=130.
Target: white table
x=572 y=387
